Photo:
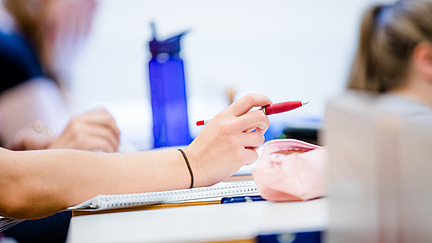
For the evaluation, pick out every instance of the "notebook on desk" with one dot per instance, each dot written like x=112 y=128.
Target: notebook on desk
x=215 y=192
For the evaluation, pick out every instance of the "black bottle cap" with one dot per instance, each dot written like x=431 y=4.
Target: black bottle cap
x=170 y=46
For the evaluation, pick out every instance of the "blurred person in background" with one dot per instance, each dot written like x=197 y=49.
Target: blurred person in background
x=37 y=41
x=34 y=54
x=392 y=70
x=394 y=58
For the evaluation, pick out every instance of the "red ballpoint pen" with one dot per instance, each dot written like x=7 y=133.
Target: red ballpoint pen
x=271 y=109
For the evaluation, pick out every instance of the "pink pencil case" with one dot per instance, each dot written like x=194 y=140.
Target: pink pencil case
x=291 y=170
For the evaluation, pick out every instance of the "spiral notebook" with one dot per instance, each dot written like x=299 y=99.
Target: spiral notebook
x=222 y=189
x=6 y=223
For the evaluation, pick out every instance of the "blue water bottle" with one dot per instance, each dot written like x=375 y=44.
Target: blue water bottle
x=168 y=93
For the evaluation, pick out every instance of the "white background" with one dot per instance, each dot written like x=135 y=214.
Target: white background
x=286 y=49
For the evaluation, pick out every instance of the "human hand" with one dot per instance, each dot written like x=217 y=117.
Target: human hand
x=93 y=131
x=227 y=143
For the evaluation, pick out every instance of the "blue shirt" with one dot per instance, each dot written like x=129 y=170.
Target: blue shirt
x=18 y=61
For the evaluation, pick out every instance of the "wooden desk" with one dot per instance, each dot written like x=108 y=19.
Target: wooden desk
x=207 y=223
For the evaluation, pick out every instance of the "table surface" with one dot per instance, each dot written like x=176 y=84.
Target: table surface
x=206 y=223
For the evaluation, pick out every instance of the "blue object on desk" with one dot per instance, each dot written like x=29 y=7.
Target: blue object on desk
x=241 y=199
x=299 y=237
x=168 y=92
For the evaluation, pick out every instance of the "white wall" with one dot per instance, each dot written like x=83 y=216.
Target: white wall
x=286 y=49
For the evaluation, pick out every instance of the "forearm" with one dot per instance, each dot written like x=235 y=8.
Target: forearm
x=90 y=174
x=49 y=181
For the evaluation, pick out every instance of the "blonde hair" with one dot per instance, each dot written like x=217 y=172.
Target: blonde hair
x=388 y=37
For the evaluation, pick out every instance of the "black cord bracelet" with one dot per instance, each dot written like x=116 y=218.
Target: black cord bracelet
x=189 y=167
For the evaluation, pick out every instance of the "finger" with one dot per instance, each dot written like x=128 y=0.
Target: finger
x=80 y=130
x=253 y=120
x=97 y=143
x=102 y=117
x=247 y=102
x=91 y=125
x=252 y=139
x=103 y=133
x=250 y=156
